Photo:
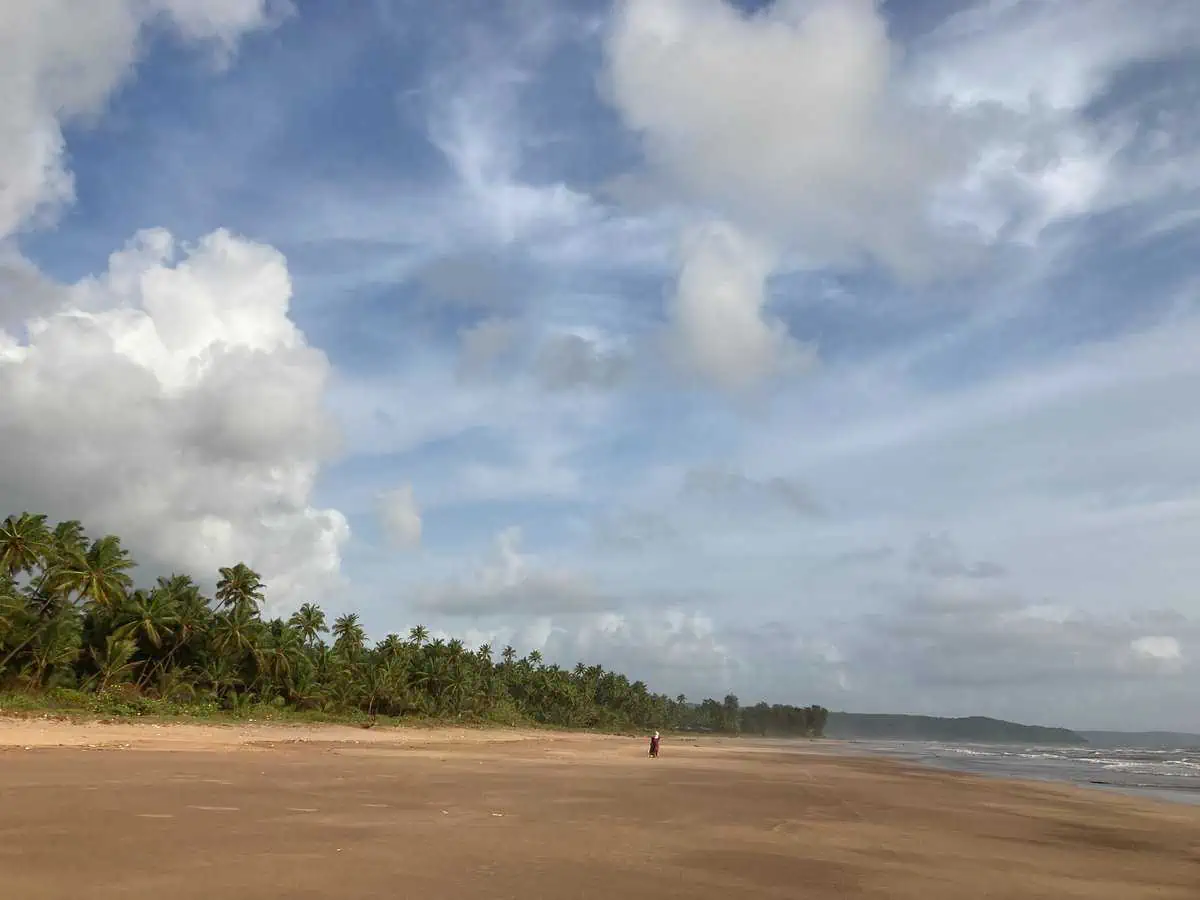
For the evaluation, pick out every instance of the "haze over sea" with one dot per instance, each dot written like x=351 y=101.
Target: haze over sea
x=1168 y=774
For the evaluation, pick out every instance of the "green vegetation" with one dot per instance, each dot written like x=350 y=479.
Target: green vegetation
x=849 y=726
x=76 y=634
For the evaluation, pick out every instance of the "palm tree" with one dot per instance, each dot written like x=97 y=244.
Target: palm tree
x=150 y=616
x=280 y=657
x=221 y=675
x=56 y=647
x=192 y=614
x=113 y=662
x=349 y=634
x=418 y=635
x=391 y=647
x=70 y=536
x=24 y=543
x=240 y=586
x=99 y=575
x=235 y=631
x=309 y=619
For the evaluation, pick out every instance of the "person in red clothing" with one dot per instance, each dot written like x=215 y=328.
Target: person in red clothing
x=654 y=746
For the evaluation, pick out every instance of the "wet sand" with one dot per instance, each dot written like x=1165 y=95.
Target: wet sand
x=139 y=811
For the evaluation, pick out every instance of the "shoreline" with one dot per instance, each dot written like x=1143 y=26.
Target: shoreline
x=49 y=732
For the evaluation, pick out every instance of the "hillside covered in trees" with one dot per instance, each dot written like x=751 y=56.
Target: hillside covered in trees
x=879 y=726
x=72 y=618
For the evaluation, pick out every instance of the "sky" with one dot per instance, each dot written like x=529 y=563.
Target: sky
x=822 y=351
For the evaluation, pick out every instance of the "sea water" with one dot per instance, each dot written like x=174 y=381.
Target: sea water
x=1170 y=774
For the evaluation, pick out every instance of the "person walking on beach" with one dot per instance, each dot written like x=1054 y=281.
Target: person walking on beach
x=654 y=746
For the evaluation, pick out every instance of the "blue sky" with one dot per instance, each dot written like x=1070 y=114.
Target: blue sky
x=824 y=352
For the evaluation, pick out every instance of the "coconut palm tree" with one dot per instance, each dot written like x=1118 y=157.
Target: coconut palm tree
x=56 y=648
x=235 y=631
x=99 y=575
x=69 y=535
x=349 y=635
x=24 y=543
x=309 y=620
x=418 y=635
x=113 y=663
x=391 y=647
x=279 y=657
x=240 y=586
x=149 y=616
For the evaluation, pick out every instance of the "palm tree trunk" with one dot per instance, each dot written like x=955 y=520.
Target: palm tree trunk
x=21 y=646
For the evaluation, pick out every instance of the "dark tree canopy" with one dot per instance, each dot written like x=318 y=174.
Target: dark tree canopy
x=72 y=618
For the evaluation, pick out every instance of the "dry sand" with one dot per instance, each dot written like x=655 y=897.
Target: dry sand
x=191 y=811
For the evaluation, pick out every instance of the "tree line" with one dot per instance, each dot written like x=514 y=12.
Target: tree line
x=72 y=618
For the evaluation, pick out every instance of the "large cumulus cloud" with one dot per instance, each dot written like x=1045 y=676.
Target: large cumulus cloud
x=171 y=400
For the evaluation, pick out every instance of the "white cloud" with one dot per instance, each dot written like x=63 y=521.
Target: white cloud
x=474 y=120
x=173 y=402
x=1026 y=73
x=1161 y=654
x=513 y=583
x=673 y=651
x=719 y=329
x=62 y=61
x=785 y=120
x=783 y=124
x=1067 y=52
x=400 y=516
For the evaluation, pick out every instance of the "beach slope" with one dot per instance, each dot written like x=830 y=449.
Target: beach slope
x=263 y=811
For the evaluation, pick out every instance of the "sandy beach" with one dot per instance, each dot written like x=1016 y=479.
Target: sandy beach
x=265 y=811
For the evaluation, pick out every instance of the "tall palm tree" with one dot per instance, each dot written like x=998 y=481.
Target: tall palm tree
x=12 y=605
x=391 y=647
x=70 y=536
x=99 y=576
x=113 y=662
x=418 y=635
x=25 y=543
x=309 y=620
x=234 y=631
x=192 y=612
x=240 y=586
x=149 y=616
x=56 y=648
x=279 y=657
x=349 y=634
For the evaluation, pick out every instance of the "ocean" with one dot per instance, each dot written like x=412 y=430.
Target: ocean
x=1168 y=774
